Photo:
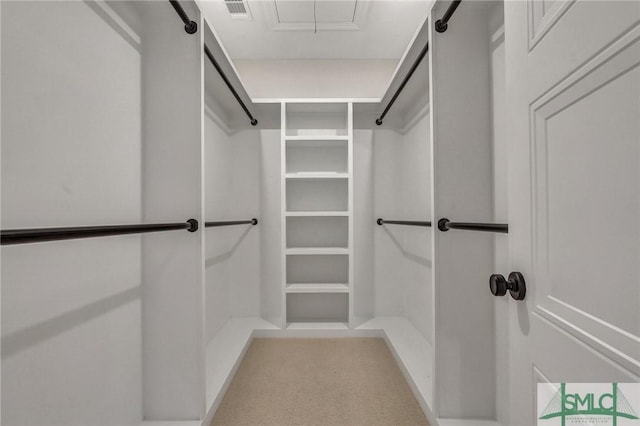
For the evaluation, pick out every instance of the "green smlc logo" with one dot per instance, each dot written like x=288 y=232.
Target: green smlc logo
x=613 y=404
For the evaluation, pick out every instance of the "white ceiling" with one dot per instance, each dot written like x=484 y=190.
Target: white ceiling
x=343 y=29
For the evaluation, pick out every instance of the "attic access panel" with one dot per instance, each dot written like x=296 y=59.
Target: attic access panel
x=300 y=14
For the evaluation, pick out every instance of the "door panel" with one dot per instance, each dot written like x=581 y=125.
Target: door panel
x=578 y=32
x=559 y=356
x=587 y=186
x=573 y=79
x=543 y=15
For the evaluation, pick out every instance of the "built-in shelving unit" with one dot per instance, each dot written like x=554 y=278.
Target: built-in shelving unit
x=317 y=214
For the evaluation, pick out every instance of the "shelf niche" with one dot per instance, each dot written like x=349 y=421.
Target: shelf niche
x=318 y=307
x=316 y=119
x=323 y=231
x=317 y=268
x=319 y=156
x=317 y=195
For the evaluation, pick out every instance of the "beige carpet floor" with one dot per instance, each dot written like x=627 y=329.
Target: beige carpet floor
x=319 y=382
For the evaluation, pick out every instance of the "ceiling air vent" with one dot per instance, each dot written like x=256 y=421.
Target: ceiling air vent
x=238 y=9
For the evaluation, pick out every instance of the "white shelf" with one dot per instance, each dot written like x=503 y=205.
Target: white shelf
x=317 y=137
x=317 y=213
x=317 y=326
x=317 y=175
x=316 y=250
x=318 y=288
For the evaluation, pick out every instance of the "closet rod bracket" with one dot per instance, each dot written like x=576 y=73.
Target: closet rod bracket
x=193 y=225
x=442 y=224
x=441 y=26
x=191 y=27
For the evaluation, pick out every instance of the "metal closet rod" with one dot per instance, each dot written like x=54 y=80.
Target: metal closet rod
x=189 y=26
x=441 y=24
x=38 y=235
x=228 y=83
x=253 y=221
x=444 y=225
x=403 y=222
x=404 y=83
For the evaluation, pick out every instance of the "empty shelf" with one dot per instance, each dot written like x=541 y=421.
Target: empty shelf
x=317 y=175
x=317 y=250
x=317 y=288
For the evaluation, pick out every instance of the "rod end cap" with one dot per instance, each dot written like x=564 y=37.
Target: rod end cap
x=193 y=225
x=191 y=28
x=440 y=26
x=380 y=221
x=254 y=221
x=254 y=121
x=378 y=121
x=442 y=224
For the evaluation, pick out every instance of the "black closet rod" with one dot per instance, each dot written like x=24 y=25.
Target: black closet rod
x=38 y=235
x=226 y=80
x=441 y=24
x=404 y=83
x=444 y=225
x=403 y=222
x=253 y=221
x=189 y=26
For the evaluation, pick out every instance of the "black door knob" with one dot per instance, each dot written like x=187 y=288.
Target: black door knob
x=515 y=284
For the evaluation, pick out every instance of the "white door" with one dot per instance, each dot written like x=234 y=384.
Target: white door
x=573 y=81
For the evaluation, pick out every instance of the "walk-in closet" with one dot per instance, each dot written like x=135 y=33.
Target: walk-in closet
x=285 y=212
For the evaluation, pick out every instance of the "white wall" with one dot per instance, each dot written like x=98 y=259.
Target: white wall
x=416 y=243
x=71 y=156
x=402 y=191
x=0 y=225
x=389 y=273
x=217 y=166
x=464 y=339
x=364 y=226
x=173 y=186
x=319 y=78
x=233 y=253
x=270 y=227
x=245 y=264
x=500 y=213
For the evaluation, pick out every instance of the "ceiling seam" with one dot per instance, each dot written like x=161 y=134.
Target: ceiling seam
x=355 y=7
x=275 y=4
